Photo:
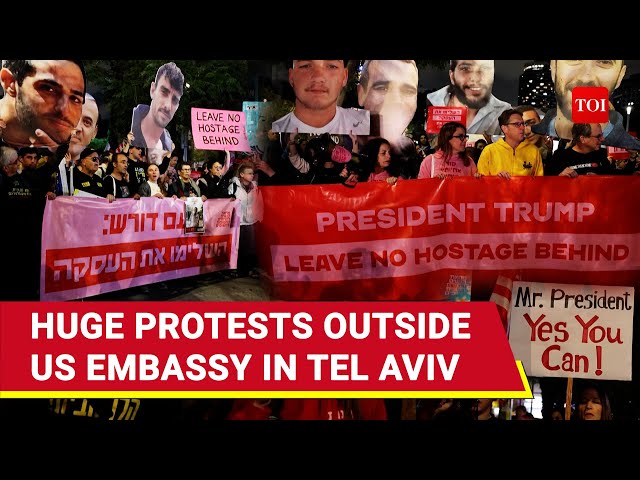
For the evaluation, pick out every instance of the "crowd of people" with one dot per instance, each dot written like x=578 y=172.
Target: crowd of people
x=300 y=150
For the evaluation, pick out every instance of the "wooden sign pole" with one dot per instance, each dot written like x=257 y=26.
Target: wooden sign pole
x=567 y=408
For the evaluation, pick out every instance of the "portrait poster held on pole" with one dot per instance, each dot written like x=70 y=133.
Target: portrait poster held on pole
x=149 y=122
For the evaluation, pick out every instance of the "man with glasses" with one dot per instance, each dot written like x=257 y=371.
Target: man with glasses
x=185 y=186
x=471 y=86
x=584 y=156
x=510 y=156
x=567 y=74
x=85 y=178
x=531 y=117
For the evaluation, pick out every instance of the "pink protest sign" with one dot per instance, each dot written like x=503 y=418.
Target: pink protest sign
x=219 y=130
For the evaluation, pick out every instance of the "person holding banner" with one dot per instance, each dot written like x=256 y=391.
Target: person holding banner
x=86 y=179
x=450 y=159
x=153 y=186
x=378 y=151
x=511 y=156
x=584 y=155
x=117 y=181
x=185 y=186
x=317 y=85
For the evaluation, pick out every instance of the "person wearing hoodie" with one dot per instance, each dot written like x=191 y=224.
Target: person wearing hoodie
x=511 y=156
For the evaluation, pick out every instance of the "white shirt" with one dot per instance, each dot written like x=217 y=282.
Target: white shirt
x=154 y=187
x=345 y=121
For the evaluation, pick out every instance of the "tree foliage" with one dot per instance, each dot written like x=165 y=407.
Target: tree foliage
x=119 y=85
x=123 y=84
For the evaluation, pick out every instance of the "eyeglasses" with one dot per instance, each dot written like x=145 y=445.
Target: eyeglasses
x=460 y=137
x=517 y=124
x=95 y=159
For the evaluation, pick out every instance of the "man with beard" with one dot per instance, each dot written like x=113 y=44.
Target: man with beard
x=149 y=121
x=389 y=90
x=317 y=85
x=568 y=74
x=42 y=103
x=471 y=83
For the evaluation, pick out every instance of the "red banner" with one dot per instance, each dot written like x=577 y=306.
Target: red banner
x=255 y=350
x=414 y=240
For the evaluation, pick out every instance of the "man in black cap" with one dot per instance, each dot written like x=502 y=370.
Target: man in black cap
x=85 y=178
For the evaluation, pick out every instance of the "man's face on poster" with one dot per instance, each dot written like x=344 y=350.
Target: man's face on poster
x=472 y=82
x=51 y=99
x=318 y=83
x=165 y=100
x=568 y=74
x=391 y=93
x=87 y=127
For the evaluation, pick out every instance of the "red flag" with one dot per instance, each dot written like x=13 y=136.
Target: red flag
x=501 y=296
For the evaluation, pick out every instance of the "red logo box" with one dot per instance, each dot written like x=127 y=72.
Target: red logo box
x=590 y=105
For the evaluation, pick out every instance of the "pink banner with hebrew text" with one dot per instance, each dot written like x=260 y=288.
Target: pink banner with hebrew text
x=91 y=246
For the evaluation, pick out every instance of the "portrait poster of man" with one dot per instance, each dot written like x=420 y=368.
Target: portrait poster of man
x=42 y=102
x=568 y=74
x=388 y=89
x=317 y=85
x=149 y=122
x=471 y=86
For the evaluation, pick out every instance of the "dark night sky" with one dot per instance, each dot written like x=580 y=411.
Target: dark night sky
x=507 y=73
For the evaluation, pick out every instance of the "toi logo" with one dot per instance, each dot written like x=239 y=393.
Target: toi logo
x=590 y=105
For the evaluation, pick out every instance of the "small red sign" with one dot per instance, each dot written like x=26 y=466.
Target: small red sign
x=438 y=116
x=590 y=105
